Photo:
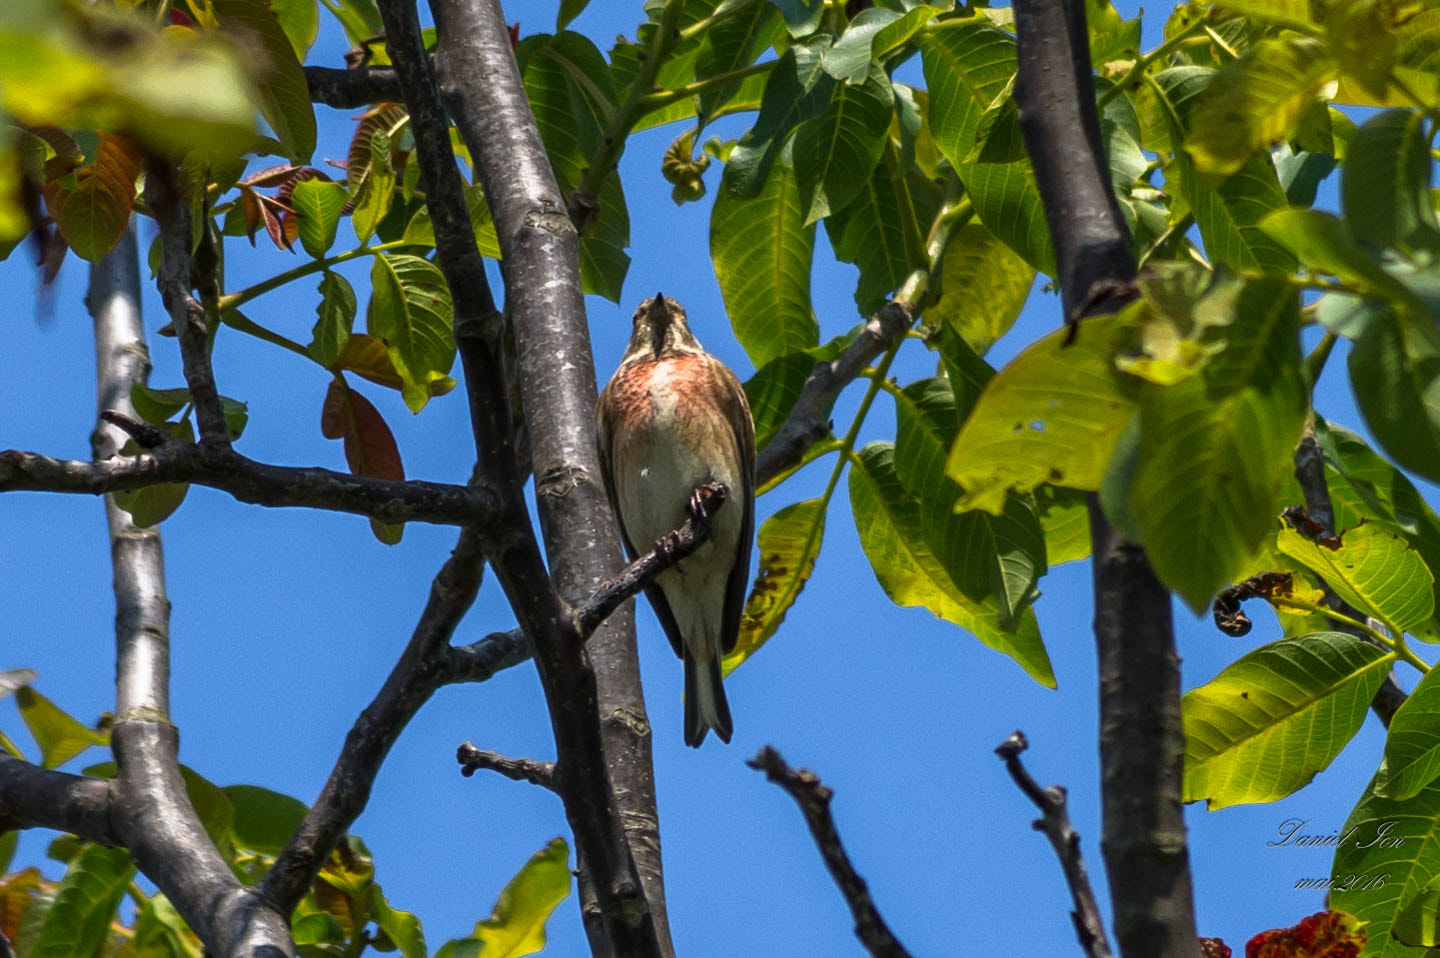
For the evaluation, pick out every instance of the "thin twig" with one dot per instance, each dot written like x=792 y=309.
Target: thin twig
x=474 y=759
x=814 y=801
x=422 y=668
x=1055 y=823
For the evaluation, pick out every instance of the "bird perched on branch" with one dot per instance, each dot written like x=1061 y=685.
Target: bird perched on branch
x=673 y=419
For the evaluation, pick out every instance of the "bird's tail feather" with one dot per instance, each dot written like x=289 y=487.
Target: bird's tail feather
x=705 y=704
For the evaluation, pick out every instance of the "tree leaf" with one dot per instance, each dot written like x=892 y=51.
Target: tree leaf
x=374 y=193
x=1053 y=415
x=421 y=231
x=850 y=58
x=95 y=212
x=1375 y=570
x=517 y=925
x=1385 y=183
x=569 y=10
x=284 y=93
x=891 y=532
x=300 y=19
x=402 y=927
x=1214 y=447
x=983 y=285
x=1255 y=101
x=1065 y=518
x=772 y=391
x=967 y=63
x=317 y=204
x=869 y=232
x=263 y=820
x=78 y=923
x=836 y=151
x=1270 y=721
x=732 y=43
x=762 y=253
x=1007 y=201
x=335 y=317
x=159 y=930
x=801 y=16
x=370 y=448
x=1395 y=372
x=1323 y=243
x=789 y=544
x=59 y=736
x=1229 y=215
x=1412 y=747
x=796 y=89
x=411 y=312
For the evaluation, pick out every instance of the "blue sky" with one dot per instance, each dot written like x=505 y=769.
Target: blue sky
x=286 y=621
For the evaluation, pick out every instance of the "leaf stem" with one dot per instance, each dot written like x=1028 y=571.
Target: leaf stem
x=700 y=26
x=244 y=324
x=1141 y=65
x=662 y=98
x=813 y=453
x=240 y=297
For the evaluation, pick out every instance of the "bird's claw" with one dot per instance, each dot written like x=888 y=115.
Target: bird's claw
x=705 y=498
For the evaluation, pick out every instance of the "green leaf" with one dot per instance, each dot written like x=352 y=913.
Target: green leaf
x=317 y=204
x=1111 y=36
x=891 y=529
x=284 y=93
x=8 y=842
x=795 y=90
x=1323 y=243
x=59 y=736
x=1385 y=183
x=1375 y=570
x=1053 y=415
x=1257 y=100
x=1214 y=447
x=263 y=820
x=1007 y=201
x=801 y=16
x=1065 y=517
x=1295 y=13
x=1395 y=372
x=300 y=19
x=603 y=260
x=569 y=10
x=156 y=406
x=375 y=192
x=360 y=18
x=421 y=231
x=789 y=544
x=78 y=923
x=967 y=64
x=1270 y=721
x=762 y=252
x=517 y=925
x=1395 y=845
x=836 y=151
x=94 y=213
x=1001 y=556
x=869 y=232
x=772 y=391
x=731 y=44
x=587 y=82
x=335 y=318
x=850 y=58
x=159 y=930
x=411 y=312
x=402 y=927
x=1412 y=747
x=983 y=285
x=1229 y=215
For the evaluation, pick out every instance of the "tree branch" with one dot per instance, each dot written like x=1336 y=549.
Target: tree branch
x=474 y=759
x=150 y=809
x=258 y=483
x=348 y=89
x=422 y=668
x=814 y=801
x=1142 y=740
x=1055 y=823
x=1310 y=474
x=35 y=797
x=609 y=790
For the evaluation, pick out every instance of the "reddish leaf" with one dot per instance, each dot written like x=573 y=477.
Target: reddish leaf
x=94 y=214
x=272 y=175
x=179 y=18
x=68 y=154
x=270 y=212
x=382 y=116
x=250 y=204
x=17 y=891
x=1213 y=948
x=1325 y=934
x=300 y=175
x=369 y=445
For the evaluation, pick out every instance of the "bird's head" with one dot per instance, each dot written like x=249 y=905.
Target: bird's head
x=661 y=331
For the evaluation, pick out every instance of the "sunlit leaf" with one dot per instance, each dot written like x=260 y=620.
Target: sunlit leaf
x=517 y=925
x=411 y=312
x=317 y=204
x=60 y=736
x=789 y=543
x=95 y=212
x=79 y=920
x=1374 y=569
x=983 y=285
x=284 y=94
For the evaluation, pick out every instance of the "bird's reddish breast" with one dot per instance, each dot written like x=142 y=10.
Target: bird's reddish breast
x=688 y=382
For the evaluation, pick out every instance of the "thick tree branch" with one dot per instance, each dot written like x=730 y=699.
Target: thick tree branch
x=1055 y=823
x=150 y=810
x=474 y=759
x=35 y=797
x=422 y=668
x=348 y=89
x=814 y=801
x=258 y=483
x=1310 y=474
x=1142 y=739
x=609 y=791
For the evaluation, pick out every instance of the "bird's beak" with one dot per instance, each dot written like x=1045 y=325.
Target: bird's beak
x=659 y=309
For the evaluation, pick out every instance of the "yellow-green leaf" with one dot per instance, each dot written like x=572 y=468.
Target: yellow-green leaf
x=1375 y=570
x=983 y=285
x=411 y=313
x=60 y=736
x=284 y=93
x=789 y=543
x=517 y=925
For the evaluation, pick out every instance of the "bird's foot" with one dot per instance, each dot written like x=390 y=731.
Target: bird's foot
x=704 y=499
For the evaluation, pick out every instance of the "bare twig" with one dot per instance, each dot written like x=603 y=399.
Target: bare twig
x=1055 y=823
x=1310 y=474
x=480 y=660
x=348 y=89
x=1142 y=739
x=259 y=483
x=474 y=759
x=814 y=801
x=150 y=808
x=422 y=668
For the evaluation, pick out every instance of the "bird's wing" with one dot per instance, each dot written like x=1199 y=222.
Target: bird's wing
x=604 y=441
x=737 y=410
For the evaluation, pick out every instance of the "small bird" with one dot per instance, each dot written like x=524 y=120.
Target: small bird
x=672 y=419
